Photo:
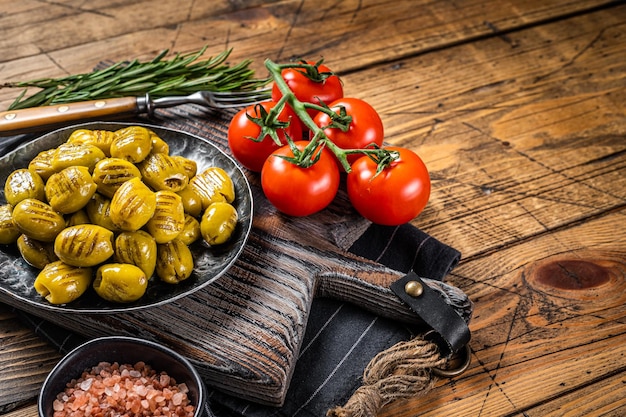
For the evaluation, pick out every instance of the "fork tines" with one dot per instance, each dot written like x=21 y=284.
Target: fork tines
x=240 y=98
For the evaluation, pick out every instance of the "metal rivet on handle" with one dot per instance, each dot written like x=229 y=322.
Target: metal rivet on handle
x=414 y=289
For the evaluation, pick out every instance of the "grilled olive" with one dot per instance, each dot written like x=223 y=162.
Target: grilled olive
x=99 y=212
x=132 y=205
x=110 y=173
x=84 y=245
x=191 y=230
x=158 y=144
x=132 y=143
x=212 y=185
x=137 y=248
x=169 y=217
x=100 y=138
x=37 y=219
x=76 y=154
x=120 y=283
x=192 y=202
x=60 y=283
x=218 y=223
x=8 y=230
x=23 y=183
x=188 y=165
x=36 y=253
x=174 y=262
x=78 y=217
x=70 y=189
x=161 y=172
x=42 y=164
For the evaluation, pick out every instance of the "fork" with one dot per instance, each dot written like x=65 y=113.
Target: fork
x=35 y=119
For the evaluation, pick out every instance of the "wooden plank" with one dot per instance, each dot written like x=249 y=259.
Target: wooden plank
x=25 y=361
x=528 y=88
x=69 y=37
x=532 y=341
x=604 y=397
x=520 y=140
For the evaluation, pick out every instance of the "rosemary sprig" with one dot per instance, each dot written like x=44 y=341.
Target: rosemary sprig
x=180 y=75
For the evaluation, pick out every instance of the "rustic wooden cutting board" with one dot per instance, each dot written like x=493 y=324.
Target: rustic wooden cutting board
x=244 y=331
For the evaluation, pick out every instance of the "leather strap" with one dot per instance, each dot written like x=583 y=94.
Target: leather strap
x=451 y=332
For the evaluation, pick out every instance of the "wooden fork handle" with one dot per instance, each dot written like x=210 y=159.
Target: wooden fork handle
x=14 y=122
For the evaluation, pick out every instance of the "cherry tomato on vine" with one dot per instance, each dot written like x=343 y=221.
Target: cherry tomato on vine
x=299 y=191
x=250 y=153
x=396 y=195
x=307 y=90
x=365 y=128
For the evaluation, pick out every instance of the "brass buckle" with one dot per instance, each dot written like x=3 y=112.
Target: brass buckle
x=460 y=361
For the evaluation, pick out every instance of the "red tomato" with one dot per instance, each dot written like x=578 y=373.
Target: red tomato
x=365 y=128
x=298 y=191
x=398 y=194
x=307 y=90
x=250 y=153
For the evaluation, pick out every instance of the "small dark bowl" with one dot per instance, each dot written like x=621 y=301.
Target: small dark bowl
x=124 y=350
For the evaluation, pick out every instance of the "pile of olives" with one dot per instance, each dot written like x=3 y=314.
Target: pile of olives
x=111 y=209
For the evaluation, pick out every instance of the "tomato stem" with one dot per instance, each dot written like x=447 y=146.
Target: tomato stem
x=319 y=139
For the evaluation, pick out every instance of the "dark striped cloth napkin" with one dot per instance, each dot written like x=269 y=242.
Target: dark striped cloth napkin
x=340 y=339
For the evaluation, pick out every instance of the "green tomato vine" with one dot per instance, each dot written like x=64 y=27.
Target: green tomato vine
x=309 y=156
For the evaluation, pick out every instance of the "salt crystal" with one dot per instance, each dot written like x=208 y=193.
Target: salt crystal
x=86 y=384
x=177 y=399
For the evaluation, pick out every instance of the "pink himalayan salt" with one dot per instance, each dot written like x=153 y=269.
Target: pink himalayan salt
x=135 y=390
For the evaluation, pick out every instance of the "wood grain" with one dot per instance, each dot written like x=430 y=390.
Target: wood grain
x=347 y=33
x=517 y=109
x=535 y=341
x=25 y=361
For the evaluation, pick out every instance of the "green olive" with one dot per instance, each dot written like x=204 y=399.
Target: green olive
x=84 y=245
x=8 y=230
x=70 y=189
x=36 y=253
x=110 y=173
x=169 y=217
x=137 y=248
x=38 y=220
x=132 y=143
x=174 y=262
x=120 y=283
x=191 y=230
x=132 y=205
x=161 y=172
x=60 y=283
x=99 y=212
x=213 y=185
x=192 y=202
x=76 y=218
x=42 y=164
x=188 y=165
x=100 y=138
x=76 y=154
x=218 y=223
x=158 y=144
x=23 y=183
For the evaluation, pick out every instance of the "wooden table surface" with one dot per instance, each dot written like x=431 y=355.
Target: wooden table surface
x=517 y=108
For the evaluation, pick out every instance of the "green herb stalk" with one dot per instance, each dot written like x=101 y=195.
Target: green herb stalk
x=180 y=75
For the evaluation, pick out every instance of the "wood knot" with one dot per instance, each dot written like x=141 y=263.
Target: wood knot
x=584 y=279
x=569 y=274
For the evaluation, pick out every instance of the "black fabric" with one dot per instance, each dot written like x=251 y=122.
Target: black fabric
x=340 y=339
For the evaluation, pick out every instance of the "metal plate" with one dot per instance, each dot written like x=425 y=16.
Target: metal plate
x=17 y=277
